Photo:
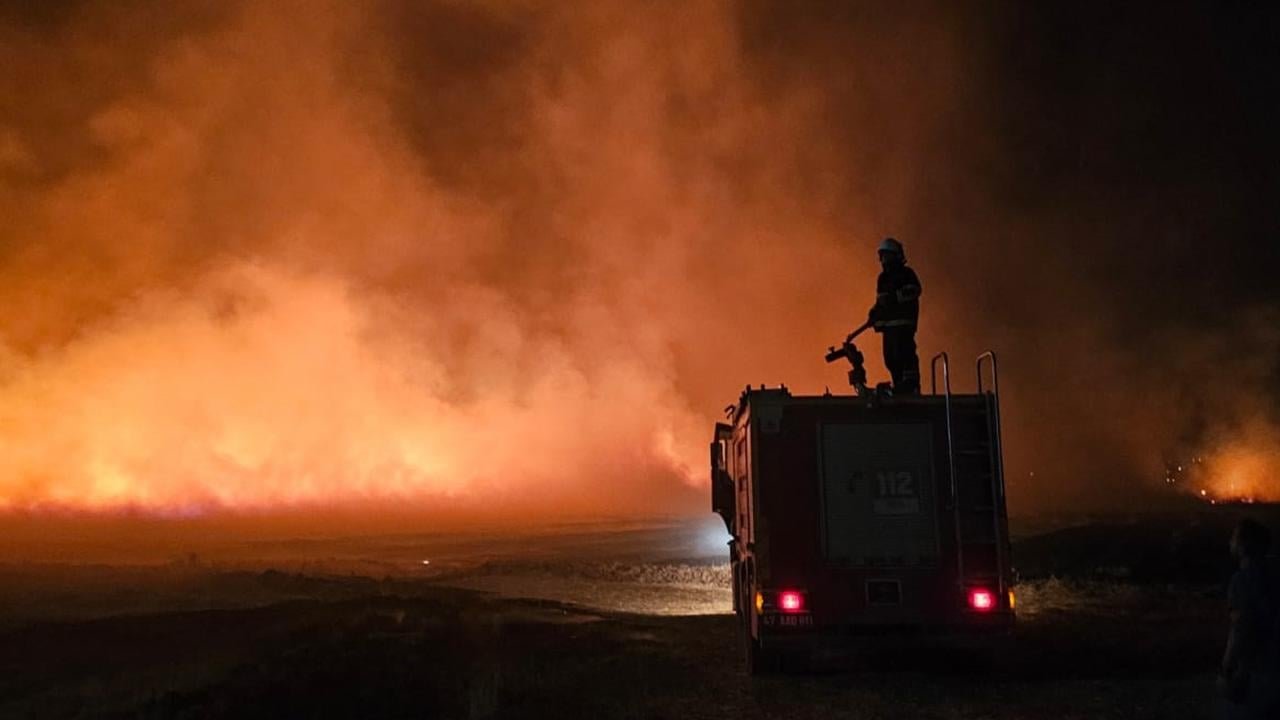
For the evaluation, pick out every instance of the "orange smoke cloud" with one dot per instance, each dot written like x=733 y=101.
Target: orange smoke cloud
x=513 y=256
x=284 y=255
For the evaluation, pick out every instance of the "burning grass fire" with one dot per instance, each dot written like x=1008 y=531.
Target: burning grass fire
x=1245 y=469
x=295 y=399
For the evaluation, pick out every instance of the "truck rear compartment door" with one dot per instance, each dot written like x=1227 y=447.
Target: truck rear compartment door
x=879 y=495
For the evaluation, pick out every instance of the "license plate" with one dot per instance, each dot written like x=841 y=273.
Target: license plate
x=788 y=620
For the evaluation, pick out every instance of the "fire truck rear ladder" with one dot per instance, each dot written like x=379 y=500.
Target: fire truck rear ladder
x=991 y=402
x=991 y=448
x=951 y=454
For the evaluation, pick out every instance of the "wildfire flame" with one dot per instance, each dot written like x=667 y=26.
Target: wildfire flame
x=1243 y=467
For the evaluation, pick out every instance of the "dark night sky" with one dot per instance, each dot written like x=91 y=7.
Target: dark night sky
x=1163 y=121
x=1142 y=139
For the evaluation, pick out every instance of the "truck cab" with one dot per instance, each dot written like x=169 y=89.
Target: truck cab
x=864 y=520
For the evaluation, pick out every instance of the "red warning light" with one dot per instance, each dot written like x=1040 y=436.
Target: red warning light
x=982 y=600
x=791 y=601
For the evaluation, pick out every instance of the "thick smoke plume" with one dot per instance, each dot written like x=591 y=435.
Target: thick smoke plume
x=280 y=254
x=504 y=258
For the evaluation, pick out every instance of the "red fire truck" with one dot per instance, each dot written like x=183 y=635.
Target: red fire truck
x=865 y=519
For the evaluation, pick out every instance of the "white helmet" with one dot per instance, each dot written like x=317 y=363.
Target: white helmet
x=890 y=245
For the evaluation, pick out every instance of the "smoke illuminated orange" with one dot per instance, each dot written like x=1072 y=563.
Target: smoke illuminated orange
x=291 y=265
x=513 y=257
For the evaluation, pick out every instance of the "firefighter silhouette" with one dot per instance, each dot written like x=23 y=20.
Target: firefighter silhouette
x=895 y=315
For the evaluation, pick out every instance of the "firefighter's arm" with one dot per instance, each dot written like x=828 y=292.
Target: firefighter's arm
x=909 y=290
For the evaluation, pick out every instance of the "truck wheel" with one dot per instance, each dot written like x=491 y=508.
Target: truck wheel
x=753 y=655
x=737 y=592
x=759 y=660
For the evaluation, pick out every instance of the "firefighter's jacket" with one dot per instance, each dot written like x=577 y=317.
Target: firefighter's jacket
x=897 y=299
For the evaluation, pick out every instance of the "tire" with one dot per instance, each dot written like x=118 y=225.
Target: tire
x=756 y=660
x=760 y=661
x=739 y=607
x=748 y=646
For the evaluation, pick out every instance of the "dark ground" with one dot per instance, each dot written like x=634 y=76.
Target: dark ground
x=434 y=652
x=1105 y=640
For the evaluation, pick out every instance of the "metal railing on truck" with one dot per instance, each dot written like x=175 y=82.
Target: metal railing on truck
x=995 y=442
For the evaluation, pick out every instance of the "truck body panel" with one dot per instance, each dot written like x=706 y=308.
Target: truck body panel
x=858 y=517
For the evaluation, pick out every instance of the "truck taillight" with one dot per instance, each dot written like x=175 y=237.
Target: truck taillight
x=982 y=600
x=791 y=601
